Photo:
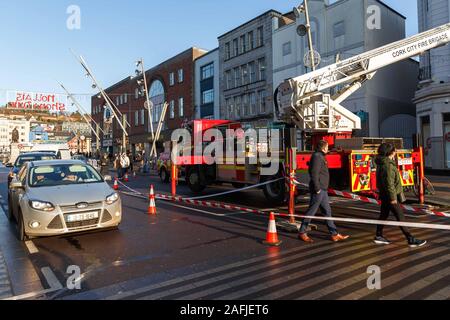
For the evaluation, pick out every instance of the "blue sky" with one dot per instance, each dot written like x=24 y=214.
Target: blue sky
x=35 y=51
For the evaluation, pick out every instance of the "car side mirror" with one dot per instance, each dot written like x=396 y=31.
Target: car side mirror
x=9 y=165
x=107 y=178
x=16 y=185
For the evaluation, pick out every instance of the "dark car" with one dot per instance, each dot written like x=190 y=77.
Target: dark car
x=27 y=157
x=80 y=157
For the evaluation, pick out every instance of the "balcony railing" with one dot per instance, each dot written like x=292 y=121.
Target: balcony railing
x=425 y=73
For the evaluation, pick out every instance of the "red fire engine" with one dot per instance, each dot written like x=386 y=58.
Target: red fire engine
x=300 y=104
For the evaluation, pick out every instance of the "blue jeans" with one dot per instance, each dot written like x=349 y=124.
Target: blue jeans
x=321 y=201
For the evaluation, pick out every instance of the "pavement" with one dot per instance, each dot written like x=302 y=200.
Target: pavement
x=191 y=252
x=441 y=185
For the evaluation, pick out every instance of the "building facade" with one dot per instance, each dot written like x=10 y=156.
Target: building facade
x=81 y=128
x=207 y=94
x=383 y=103
x=172 y=81
x=433 y=96
x=246 y=82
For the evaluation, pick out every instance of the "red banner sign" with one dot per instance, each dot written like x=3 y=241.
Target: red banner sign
x=36 y=101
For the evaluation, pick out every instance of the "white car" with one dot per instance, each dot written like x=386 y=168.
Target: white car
x=49 y=198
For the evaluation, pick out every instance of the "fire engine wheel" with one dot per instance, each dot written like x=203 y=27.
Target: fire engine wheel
x=276 y=191
x=164 y=175
x=193 y=181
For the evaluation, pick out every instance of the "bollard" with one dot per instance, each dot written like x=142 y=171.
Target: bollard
x=174 y=177
x=292 y=169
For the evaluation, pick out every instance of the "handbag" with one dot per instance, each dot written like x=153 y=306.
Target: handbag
x=402 y=197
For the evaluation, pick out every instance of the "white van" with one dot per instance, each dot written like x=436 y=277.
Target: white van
x=60 y=150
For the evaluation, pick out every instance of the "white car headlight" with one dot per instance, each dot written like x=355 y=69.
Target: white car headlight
x=41 y=205
x=112 y=198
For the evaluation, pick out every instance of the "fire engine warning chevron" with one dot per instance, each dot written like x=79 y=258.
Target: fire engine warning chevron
x=304 y=156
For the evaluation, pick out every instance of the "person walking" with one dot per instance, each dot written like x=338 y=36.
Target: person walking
x=124 y=163
x=391 y=194
x=104 y=165
x=118 y=166
x=318 y=186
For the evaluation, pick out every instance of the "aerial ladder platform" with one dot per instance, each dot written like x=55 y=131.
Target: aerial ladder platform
x=301 y=101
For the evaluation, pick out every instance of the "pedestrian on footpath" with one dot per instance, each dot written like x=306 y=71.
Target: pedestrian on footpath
x=124 y=163
x=104 y=164
x=318 y=186
x=391 y=194
x=118 y=166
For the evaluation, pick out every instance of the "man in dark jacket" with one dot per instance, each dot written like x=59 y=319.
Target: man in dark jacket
x=318 y=186
x=390 y=188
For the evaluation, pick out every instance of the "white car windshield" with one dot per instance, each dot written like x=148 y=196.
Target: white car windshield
x=65 y=174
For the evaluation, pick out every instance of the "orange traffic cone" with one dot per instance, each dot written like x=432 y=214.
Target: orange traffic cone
x=116 y=185
x=126 y=177
x=272 y=236
x=152 y=205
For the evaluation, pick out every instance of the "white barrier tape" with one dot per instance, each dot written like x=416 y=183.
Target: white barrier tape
x=256 y=211
x=348 y=220
x=353 y=196
x=375 y=222
x=235 y=191
x=132 y=190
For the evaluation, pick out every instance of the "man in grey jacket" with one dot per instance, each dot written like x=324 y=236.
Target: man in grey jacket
x=318 y=186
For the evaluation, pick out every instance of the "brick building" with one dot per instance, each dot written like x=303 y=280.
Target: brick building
x=172 y=81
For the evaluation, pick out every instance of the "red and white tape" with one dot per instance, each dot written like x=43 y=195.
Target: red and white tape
x=211 y=204
x=353 y=196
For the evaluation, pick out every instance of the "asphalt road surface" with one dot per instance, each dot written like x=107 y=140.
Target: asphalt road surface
x=188 y=252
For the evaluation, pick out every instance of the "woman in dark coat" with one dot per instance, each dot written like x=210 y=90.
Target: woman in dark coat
x=391 y=189
x=104 y=163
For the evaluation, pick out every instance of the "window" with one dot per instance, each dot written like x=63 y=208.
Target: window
x=243 y=44
x=339 y=29
x=244 y=74
x=229 y=108
x=287 y=48
x=171 y=79
x=253 y=110
x=260 y=37
x=251 y=40
x=237 y=77
x=157 y=97
x=136 y=93
x=180 y=75
x=237 y=107
x=262 y=101
x=252 y=71
x=208 y=96
x=142 y=117
x=181 y=107
x=262 y=69
x=117 y=100
x=136 y=118
x=207 y=71
x=245 y=105
x=235 y=47
x=228 y=79
x=339 y=35
x=227 y=51
x=172 y=109
x=125 y=98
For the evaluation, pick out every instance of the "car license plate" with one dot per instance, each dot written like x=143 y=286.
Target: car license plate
x=81 y=216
